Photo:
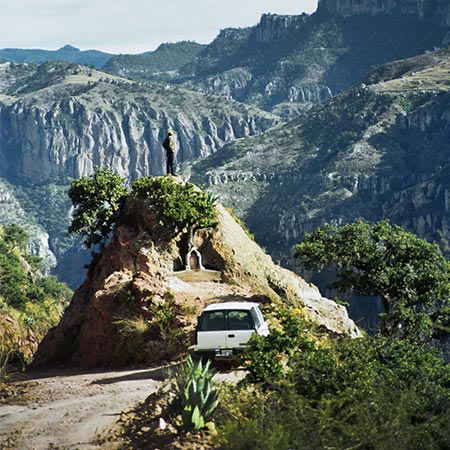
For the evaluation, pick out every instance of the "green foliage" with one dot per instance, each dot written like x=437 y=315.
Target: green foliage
x=265 y=358
x=368 y=393
x=177 y=205
x=409 y=274
x=173 y=339
x=96 y=200
x=15 y=236
x=196 y=398
x=30 y=304
x=147 y=334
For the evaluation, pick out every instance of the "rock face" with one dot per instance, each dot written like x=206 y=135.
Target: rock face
x=11 y=212
x=436 y=9
x=137 y=270
x=89 y=119
x=287 y=64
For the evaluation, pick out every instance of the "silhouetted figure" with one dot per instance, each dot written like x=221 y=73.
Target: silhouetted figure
x=169 y=147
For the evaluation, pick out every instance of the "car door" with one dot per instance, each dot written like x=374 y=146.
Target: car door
x=240 y=327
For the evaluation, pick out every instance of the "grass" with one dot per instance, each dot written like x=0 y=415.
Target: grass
x=435 y=78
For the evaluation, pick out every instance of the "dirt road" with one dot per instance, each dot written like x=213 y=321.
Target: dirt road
x=67 y=411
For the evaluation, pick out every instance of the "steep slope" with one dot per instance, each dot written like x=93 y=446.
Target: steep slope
x=380 y=149
x=138 y=277
x=286 y=64
x=60 y=120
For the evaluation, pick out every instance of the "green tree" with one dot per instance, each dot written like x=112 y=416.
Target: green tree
x=410 y=275
x=30 y=303
x=178 y=205
x=15 y=236
x=96 y=200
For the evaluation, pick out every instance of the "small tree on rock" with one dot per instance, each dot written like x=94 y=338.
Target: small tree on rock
x=96 y=200
x=179 y=206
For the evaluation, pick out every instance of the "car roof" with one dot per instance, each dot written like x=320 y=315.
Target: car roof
x=231 y=305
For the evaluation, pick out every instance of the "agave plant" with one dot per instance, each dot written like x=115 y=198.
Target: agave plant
x=196 y=398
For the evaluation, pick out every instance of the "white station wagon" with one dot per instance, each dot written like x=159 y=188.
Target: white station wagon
x=224 y=329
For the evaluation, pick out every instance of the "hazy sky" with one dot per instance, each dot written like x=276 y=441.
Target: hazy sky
x=129 y=26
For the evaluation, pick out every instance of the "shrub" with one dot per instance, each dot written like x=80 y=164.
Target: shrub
x=267 y=357
x=369 y=393
x=96 y=200
x=173 y=338
x=177 y=205
x=30 y=304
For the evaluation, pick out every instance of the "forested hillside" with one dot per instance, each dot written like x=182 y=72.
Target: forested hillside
x=30 y=303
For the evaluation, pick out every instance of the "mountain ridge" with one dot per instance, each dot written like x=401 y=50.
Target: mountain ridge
x=378 y=150
x=67 y=53
x=312 y=57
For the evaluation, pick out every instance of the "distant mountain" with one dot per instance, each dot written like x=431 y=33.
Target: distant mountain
x=286 y=64
x=380 y=149
x=163 y=63
x=67 y=53
x=369 y=151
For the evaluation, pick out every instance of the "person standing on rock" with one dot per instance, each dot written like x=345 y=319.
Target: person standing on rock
x=169 y=147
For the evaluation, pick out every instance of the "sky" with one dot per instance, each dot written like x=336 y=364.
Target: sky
x=129 y=26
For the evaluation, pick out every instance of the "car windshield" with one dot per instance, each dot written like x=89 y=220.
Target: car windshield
x=226 y=320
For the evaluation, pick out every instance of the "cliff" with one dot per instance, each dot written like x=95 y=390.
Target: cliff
x=62 y=121
x=287 y=64
x=138 y=277
x=437 y=10
x=58 y=121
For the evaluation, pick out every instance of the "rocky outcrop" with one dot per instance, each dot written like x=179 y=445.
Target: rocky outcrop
x=287 y=64
x=276 y=28
x=138 y=270
x=11 y=212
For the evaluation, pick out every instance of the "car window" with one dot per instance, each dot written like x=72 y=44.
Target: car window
x=240 y=320
x=256 y=318
x=212 y=321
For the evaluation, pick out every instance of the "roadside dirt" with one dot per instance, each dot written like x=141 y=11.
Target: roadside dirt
x=68 y=411
x=71 y=411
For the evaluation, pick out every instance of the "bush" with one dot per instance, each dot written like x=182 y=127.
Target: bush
x=96 y=200
x=368 y=393
x=30 y=304
x=267 y=357
x=173 y=339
